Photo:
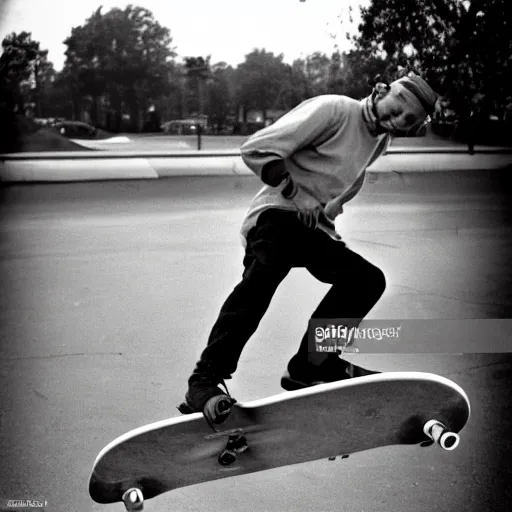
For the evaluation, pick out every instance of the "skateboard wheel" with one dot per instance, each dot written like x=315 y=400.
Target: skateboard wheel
x=238 y=443
x=441 y=435
x=449 y=441
x=227 y=457
x=133 y=499
x=331 y=458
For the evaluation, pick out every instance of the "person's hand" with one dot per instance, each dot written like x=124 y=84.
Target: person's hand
x=311 y=212
x=333 y=208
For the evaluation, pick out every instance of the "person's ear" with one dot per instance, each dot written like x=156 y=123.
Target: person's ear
x=381 y=89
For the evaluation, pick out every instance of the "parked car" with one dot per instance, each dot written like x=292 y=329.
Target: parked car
x=47 y=121
x=75 y=129
x=181 y=127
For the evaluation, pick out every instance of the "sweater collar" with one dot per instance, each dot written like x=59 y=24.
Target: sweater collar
x=369 y=116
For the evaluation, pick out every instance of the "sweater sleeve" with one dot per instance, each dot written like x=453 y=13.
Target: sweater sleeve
x=298 y=128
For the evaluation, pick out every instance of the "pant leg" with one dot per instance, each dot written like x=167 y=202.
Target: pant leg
x=357 y=285
x=241 y=313
x=240 y=316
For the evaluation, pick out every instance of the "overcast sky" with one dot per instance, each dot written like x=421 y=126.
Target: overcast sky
x=225 y=29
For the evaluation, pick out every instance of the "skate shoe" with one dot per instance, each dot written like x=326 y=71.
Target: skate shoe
x=333 y=369
x=205 y=395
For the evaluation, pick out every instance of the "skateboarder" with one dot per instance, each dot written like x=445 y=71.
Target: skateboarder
x=311 y=161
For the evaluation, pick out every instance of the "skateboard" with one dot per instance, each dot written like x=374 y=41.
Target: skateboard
x=319 y=422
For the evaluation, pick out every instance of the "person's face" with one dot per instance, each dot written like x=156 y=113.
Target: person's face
x=399 y=110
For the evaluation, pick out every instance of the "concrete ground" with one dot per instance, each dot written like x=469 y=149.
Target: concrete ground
x=110 y=289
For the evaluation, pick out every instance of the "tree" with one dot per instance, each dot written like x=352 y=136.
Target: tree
x=124 y=55
x=314 y=73
x=86 y=57
x=299 y=83
x=41 y=91
x=59 y=98
x=197 y=72
x=171 y=104
x=358 y=70
x=25 y=75
x=261 y=78
x=463 y=48
x=219 y=95
x=350 y=73
x=24 y=71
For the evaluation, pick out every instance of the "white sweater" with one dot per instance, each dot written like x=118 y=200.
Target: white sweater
x=326 y=147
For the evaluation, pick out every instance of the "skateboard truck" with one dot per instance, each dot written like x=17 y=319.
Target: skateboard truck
x=237 y=443
x=440 y=434
x=215 y=412
x=133 y=500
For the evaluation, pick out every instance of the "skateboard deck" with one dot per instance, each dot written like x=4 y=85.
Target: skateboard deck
x=324 y=421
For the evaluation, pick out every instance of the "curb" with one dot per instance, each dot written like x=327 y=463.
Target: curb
x=124 y=165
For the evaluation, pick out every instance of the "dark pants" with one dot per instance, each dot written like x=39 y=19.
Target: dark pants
x=278 y=243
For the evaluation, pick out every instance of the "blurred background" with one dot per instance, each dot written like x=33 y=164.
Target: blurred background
x=220 y=69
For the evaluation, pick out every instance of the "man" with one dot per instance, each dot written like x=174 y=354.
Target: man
x=312 y=161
